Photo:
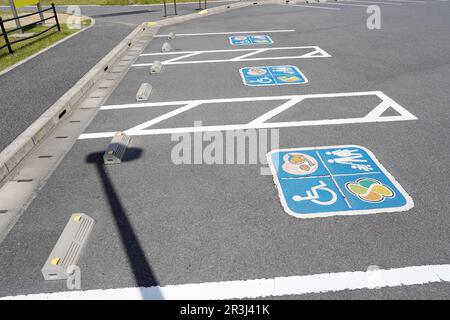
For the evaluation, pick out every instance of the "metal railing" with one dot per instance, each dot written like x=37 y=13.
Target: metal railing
x=200 y=5
x=174 y=8
x=4 y=33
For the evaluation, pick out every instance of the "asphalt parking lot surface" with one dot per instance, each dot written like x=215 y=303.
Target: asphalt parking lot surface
x=65 y=64
x=160 y=224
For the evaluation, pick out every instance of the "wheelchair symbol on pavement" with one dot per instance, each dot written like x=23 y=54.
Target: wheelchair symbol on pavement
x=314 y=196
x=264 y=80
x=334 y=180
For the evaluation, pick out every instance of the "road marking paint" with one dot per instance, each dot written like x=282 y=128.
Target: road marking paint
x=163 y=117
x=181 y=57
x=375 y=115
x=224 y=33
x=272 y=113
x=248 y=54
x=246 y=40
x=272 y=75
x=314 y=7
x=227 y=50
x=324 y=194
x=247 y=99
x=315 y=52
x=258 y=288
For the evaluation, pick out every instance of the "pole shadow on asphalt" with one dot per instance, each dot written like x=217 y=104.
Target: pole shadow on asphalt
x=141 y=268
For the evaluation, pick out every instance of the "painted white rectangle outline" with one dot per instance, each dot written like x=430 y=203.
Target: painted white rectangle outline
x=244 y=80
x=409 y=201
x=251 y=43
x=265 y=287
x=260 y=122
x=316 y=52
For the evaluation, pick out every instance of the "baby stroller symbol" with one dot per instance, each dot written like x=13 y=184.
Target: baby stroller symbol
x=314 y=196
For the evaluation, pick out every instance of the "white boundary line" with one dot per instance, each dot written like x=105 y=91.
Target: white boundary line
x=408 y=205
x=226 y=50
x=373 y=116
x=258 y=288
x=224 y=33
x=244 y=57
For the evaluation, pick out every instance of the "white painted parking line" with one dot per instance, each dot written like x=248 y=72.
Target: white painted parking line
x=224 y=33
x=259 y=288
x=377 y=2
x=314 y=7
x=165 y=116
x=375 y=115
x=312 y=52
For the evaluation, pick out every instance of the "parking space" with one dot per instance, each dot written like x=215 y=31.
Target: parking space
x=362 y=122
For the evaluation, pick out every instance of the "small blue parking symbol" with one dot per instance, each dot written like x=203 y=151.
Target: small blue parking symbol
x=339 y=180
x=250 y=40
x=272 y=76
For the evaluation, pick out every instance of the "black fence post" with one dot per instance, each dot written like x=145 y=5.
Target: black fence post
x=5 y=35
x=175 y=6
x=56 y=17
x=205 y=4
x=165 y=9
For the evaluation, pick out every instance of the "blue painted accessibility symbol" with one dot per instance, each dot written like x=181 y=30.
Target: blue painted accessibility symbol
x=308 y=196
x=272 y=75
x=340 y=180
x=250 y=40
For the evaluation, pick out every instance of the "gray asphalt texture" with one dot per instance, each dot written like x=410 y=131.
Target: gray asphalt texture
x=200 y=223
x=30 y=89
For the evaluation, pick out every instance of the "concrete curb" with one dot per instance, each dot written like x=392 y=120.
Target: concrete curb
x=14 y=153
x=11 y=156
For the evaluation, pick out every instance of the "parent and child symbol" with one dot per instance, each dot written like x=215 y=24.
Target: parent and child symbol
x=266 y=75
x=324 y=181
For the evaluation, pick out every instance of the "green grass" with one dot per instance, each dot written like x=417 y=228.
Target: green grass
x=100 y=2
x=29 y=47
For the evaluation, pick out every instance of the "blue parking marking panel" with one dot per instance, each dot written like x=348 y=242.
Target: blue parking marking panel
x=250 y=40
x=339 y=180
x=272 y=76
